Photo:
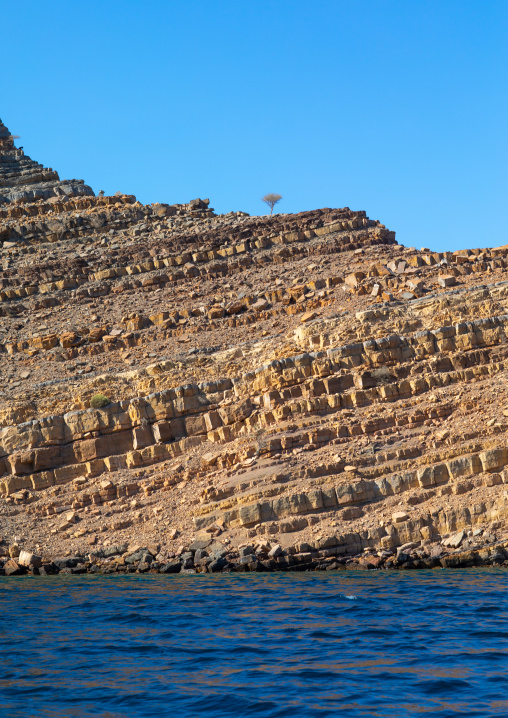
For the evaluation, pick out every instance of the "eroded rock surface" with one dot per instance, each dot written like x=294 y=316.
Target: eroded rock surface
x=287 y=392
x=24 y=180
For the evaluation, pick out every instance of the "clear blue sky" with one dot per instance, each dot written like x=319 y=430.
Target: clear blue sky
x=398 y=107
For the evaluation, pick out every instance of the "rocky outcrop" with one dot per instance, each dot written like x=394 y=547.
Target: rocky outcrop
x=275 y=392
x=24 y=180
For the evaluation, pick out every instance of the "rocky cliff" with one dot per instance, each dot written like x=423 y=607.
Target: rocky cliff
x=182 y=390
x=23 y=180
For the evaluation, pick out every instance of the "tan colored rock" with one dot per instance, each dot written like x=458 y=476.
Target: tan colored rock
x=26 y=558
x=216 y=313
x=455 y=540
x=14 y=550
x=447 y=280
x=354 y=279
x=235 y=412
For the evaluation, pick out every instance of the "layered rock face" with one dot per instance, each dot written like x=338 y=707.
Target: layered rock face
x=24 y=180
x=296 y=391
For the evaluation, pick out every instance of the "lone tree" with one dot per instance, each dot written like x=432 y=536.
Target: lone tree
x=271 y=200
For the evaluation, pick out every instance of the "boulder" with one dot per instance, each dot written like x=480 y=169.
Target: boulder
x=29 y=559
x=12 y=568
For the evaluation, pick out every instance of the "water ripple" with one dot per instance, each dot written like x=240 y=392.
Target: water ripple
x=369 y=644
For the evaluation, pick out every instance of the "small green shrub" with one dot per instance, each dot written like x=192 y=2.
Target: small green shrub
x=99 y=401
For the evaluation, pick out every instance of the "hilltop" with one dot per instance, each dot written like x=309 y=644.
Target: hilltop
x=295 y=390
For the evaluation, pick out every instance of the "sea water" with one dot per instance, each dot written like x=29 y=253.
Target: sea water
x=347 y=644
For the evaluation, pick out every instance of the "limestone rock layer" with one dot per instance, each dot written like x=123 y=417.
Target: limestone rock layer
x=24 y=180
x=297 y=388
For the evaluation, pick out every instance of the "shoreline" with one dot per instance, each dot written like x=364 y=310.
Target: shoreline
x=120 y=559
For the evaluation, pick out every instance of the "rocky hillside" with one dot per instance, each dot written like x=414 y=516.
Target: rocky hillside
x=23 y=180
x=181 y=390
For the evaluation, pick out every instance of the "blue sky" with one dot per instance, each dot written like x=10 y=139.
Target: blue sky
x=397 y=107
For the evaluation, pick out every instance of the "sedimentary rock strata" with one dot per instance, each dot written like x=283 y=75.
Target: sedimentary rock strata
x=182 y=390
x=24 y=180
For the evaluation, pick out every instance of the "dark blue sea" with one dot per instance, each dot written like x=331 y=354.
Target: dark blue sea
x=297 y=645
